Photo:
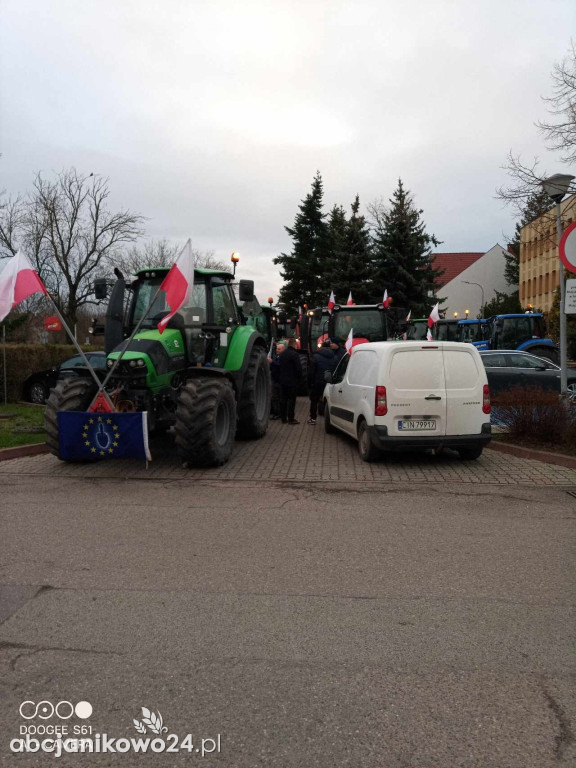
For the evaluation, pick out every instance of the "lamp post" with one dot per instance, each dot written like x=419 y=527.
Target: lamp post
x=468 y=282
x=556 y=187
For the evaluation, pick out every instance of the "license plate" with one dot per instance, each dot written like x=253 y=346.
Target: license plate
x=415 y=425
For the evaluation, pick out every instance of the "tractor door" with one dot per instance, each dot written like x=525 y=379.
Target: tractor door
x=224 y=319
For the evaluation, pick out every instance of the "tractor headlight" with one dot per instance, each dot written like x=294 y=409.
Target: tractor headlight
x=109 y=363
x=132 y=363
x=141 y=363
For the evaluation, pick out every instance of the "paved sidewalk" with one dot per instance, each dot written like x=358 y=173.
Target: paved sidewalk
x=305 y=453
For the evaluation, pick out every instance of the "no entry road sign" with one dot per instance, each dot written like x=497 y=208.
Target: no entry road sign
x=567 y=247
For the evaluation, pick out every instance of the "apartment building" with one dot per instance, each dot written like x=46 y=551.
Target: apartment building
x=539 y=263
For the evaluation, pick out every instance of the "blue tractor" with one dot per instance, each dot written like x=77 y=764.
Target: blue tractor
x=525 y=332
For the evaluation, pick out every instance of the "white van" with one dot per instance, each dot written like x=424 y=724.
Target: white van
x=395 y=394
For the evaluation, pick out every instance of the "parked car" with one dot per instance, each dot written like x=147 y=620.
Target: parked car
x=507 y=369
x=37 y=387
x=391 y=395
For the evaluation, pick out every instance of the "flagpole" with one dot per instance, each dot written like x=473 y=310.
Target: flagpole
x=74 y=341
x=4 y=357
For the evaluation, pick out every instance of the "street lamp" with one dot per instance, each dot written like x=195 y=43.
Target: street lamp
x=468 y=282
x=556 y=187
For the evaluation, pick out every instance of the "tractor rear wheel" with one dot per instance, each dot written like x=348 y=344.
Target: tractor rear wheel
x=205 y=422
x=254 y=402
x=547 y=352
x=67 y=395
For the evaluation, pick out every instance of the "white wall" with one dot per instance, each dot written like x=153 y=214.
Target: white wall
x=488 y=271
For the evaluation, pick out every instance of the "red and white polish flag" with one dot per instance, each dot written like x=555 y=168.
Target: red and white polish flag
x=408 y=316
x=350 y=341
x=350 y=303
x=18 y=281
x=434 y=317
x=386 y=299
x=178 y=283
x=331 y=301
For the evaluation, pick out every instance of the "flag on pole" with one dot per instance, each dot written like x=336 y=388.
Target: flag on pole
x=349 y=341
x=178 y=283
x=434 y=317
x=18 y=281
x=386 y=299
x=350 y=303
x=331 y=302
x=408 y=316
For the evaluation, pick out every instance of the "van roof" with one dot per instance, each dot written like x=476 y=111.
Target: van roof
x=383 y=346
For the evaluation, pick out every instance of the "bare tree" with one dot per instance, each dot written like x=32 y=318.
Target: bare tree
x=560 y=136
x=161 y=253
x=67 y=230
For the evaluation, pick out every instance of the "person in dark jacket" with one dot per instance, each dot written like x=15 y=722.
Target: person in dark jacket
x=322 y=361
x=275 y=375
x=290 y=376
x=338 y=349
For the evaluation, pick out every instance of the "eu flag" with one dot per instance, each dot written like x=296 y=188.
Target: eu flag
x=85 y=435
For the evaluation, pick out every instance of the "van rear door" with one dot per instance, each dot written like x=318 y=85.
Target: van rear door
x=415 y=390
x=465 y=379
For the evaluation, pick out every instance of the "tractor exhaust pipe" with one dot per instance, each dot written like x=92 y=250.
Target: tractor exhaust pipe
x=114 y=329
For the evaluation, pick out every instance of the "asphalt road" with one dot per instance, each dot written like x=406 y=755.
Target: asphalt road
x=308 y=624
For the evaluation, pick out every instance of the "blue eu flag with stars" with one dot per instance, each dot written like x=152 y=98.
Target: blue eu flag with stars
x=103 y=435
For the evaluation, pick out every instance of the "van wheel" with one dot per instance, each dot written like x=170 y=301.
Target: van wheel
x=367 y=449
x=469 y=454
x=328 y=428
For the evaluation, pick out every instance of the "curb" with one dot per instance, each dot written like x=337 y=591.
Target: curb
x=19 y=451
x=560 y=459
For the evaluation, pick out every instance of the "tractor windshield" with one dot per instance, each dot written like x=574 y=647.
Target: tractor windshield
x=516 y=330
x=470 y=332
x=447 y=331
x=417 y=330
x=145 y=292
x=364 y=323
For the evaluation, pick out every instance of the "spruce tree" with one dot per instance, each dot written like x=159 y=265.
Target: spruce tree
x=357 y=274
x=334 y=276
x=304 y=269
x=403 y=256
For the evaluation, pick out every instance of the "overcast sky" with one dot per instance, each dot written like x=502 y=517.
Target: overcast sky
x=211 y=117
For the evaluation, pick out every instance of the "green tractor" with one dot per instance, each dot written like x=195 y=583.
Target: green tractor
x=207 y=374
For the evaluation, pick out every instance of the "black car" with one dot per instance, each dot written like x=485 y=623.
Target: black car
x=37 y=387
x=507 y=369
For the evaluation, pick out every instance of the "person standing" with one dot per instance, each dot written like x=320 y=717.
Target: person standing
x=338 y=350
x=275 y=375
x=322 y=361
x=290 y=376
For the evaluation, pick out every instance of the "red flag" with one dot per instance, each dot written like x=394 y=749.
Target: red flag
x=178 y=283
x=349 y=341
x=18 y=281
x=350 y=303
x=52 y=323
x=331 y=301
x=434 y=317
x=386 y=299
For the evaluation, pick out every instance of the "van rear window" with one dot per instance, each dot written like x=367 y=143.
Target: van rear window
x=461 y=370
x=417 y=369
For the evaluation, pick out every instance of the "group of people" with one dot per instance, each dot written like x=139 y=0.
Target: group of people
x=287 y=376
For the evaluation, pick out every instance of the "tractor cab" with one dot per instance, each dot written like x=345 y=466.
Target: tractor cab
x=475 y=332
x=446 y=330
x=526 y=332
x=417 y=329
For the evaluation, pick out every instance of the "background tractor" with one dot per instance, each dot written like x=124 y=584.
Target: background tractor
x=207 y=374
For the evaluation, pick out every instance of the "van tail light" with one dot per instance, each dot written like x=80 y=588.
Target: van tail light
x=380 y=405
x=486 y=400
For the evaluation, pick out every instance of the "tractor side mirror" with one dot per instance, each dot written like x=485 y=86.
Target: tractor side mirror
x=246 y=290
x=100 y=288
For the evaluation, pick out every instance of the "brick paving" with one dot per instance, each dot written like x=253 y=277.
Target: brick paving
x=306 y=453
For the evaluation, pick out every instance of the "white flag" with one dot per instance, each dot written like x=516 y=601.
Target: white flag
x=348 y=344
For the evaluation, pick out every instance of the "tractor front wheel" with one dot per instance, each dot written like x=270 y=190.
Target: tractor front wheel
x=67 y=395
x=254 y=402
x=205 y=422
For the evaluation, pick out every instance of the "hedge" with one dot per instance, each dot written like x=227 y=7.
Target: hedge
x=24 y=359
